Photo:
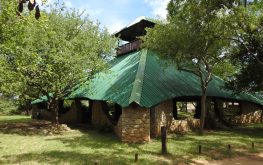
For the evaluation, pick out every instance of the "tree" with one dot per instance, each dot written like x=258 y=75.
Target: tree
x=49 y=56
x=192 y=39
x=225 y=70
x=246 y=22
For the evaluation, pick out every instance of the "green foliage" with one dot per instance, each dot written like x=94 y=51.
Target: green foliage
x=192 y=32
x=7 y=106
x=225 y=70
x=49 y=55
x=246 y=23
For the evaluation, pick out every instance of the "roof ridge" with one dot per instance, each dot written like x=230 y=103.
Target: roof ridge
x=138 y=82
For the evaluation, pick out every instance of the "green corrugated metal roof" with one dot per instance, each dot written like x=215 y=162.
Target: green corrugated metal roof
x=143 y=78
x=41 y=99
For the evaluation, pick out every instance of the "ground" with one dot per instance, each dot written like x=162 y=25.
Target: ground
x=26 y=141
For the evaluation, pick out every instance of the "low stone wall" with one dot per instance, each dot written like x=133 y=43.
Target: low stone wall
x=41 y=114
x=253 y=117
x=250 y=113
x=135 y=124
x=184 y=125
x=161 y=115
x=71 y=116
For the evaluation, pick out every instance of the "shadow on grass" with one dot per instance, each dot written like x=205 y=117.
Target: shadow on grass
x=96 y=153
x=215 y=143
x=29 y=128
x=63 y=157
x=254 y=131
x=105 y=148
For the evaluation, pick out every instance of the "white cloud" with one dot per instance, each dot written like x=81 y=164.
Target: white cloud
x=96 y=12
x=116 y=26
x=158 y=7
x=68 y=4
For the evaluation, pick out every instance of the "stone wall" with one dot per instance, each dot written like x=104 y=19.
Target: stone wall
x=184 y=125
x=135 y=124
x=250 y=113
x=118 y=128
x=74 y=115
x=41 y=114
x=161 y=115
x=215 y=117
x=35 y=111
x=99 y=118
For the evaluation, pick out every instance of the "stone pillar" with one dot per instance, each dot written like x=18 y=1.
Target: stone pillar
x=161 y=115
x=219 y=111
x=99 y=118
x=197 y=110
x=35 y=112
x=175 y=109
x=71 y=115
x=78 y=110
x=209 y=116
x=135 y=124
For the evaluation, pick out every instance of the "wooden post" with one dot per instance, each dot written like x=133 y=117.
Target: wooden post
x=136 y=157
x=229 y=147
x=252 y=145
x=200 y=149
x=164 y=136
x=78 y=110
x=96 y=163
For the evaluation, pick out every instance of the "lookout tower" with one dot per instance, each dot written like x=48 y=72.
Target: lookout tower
x=129 y=35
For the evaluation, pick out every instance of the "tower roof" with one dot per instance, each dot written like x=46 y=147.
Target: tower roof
x=135 y=29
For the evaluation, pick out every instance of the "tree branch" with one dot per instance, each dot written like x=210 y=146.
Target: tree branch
x=189 y=70
x=245 y=46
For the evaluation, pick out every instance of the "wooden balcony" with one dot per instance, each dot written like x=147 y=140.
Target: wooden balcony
x=129 y=47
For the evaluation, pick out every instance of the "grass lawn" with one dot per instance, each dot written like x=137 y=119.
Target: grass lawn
x=14 y=119
x=25 y=146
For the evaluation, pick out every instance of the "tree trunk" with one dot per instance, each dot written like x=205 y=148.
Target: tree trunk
x=203 y=110
x=54 y=108
x=245 y=3
x=27 y=108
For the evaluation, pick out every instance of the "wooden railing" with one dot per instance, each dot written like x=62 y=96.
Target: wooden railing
x=129 y=47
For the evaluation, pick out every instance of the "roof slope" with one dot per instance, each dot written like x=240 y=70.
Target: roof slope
x=142 y=77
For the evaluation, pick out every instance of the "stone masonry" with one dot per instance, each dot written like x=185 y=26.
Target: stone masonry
x=161 y=115
x=73 y=115
x=250 y=113
x=99 y=119
x=135 y=124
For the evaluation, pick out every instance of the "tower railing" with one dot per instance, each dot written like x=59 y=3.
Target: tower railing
x=129 y=47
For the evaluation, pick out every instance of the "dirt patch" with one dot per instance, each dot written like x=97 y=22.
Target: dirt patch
x=251 y=159
x=35 y=127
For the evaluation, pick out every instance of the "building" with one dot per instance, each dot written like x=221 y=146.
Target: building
x=139 y=93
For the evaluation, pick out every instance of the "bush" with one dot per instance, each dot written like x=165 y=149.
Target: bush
x=8 y=106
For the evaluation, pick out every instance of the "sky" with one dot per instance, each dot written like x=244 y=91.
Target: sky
x=116 y=14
